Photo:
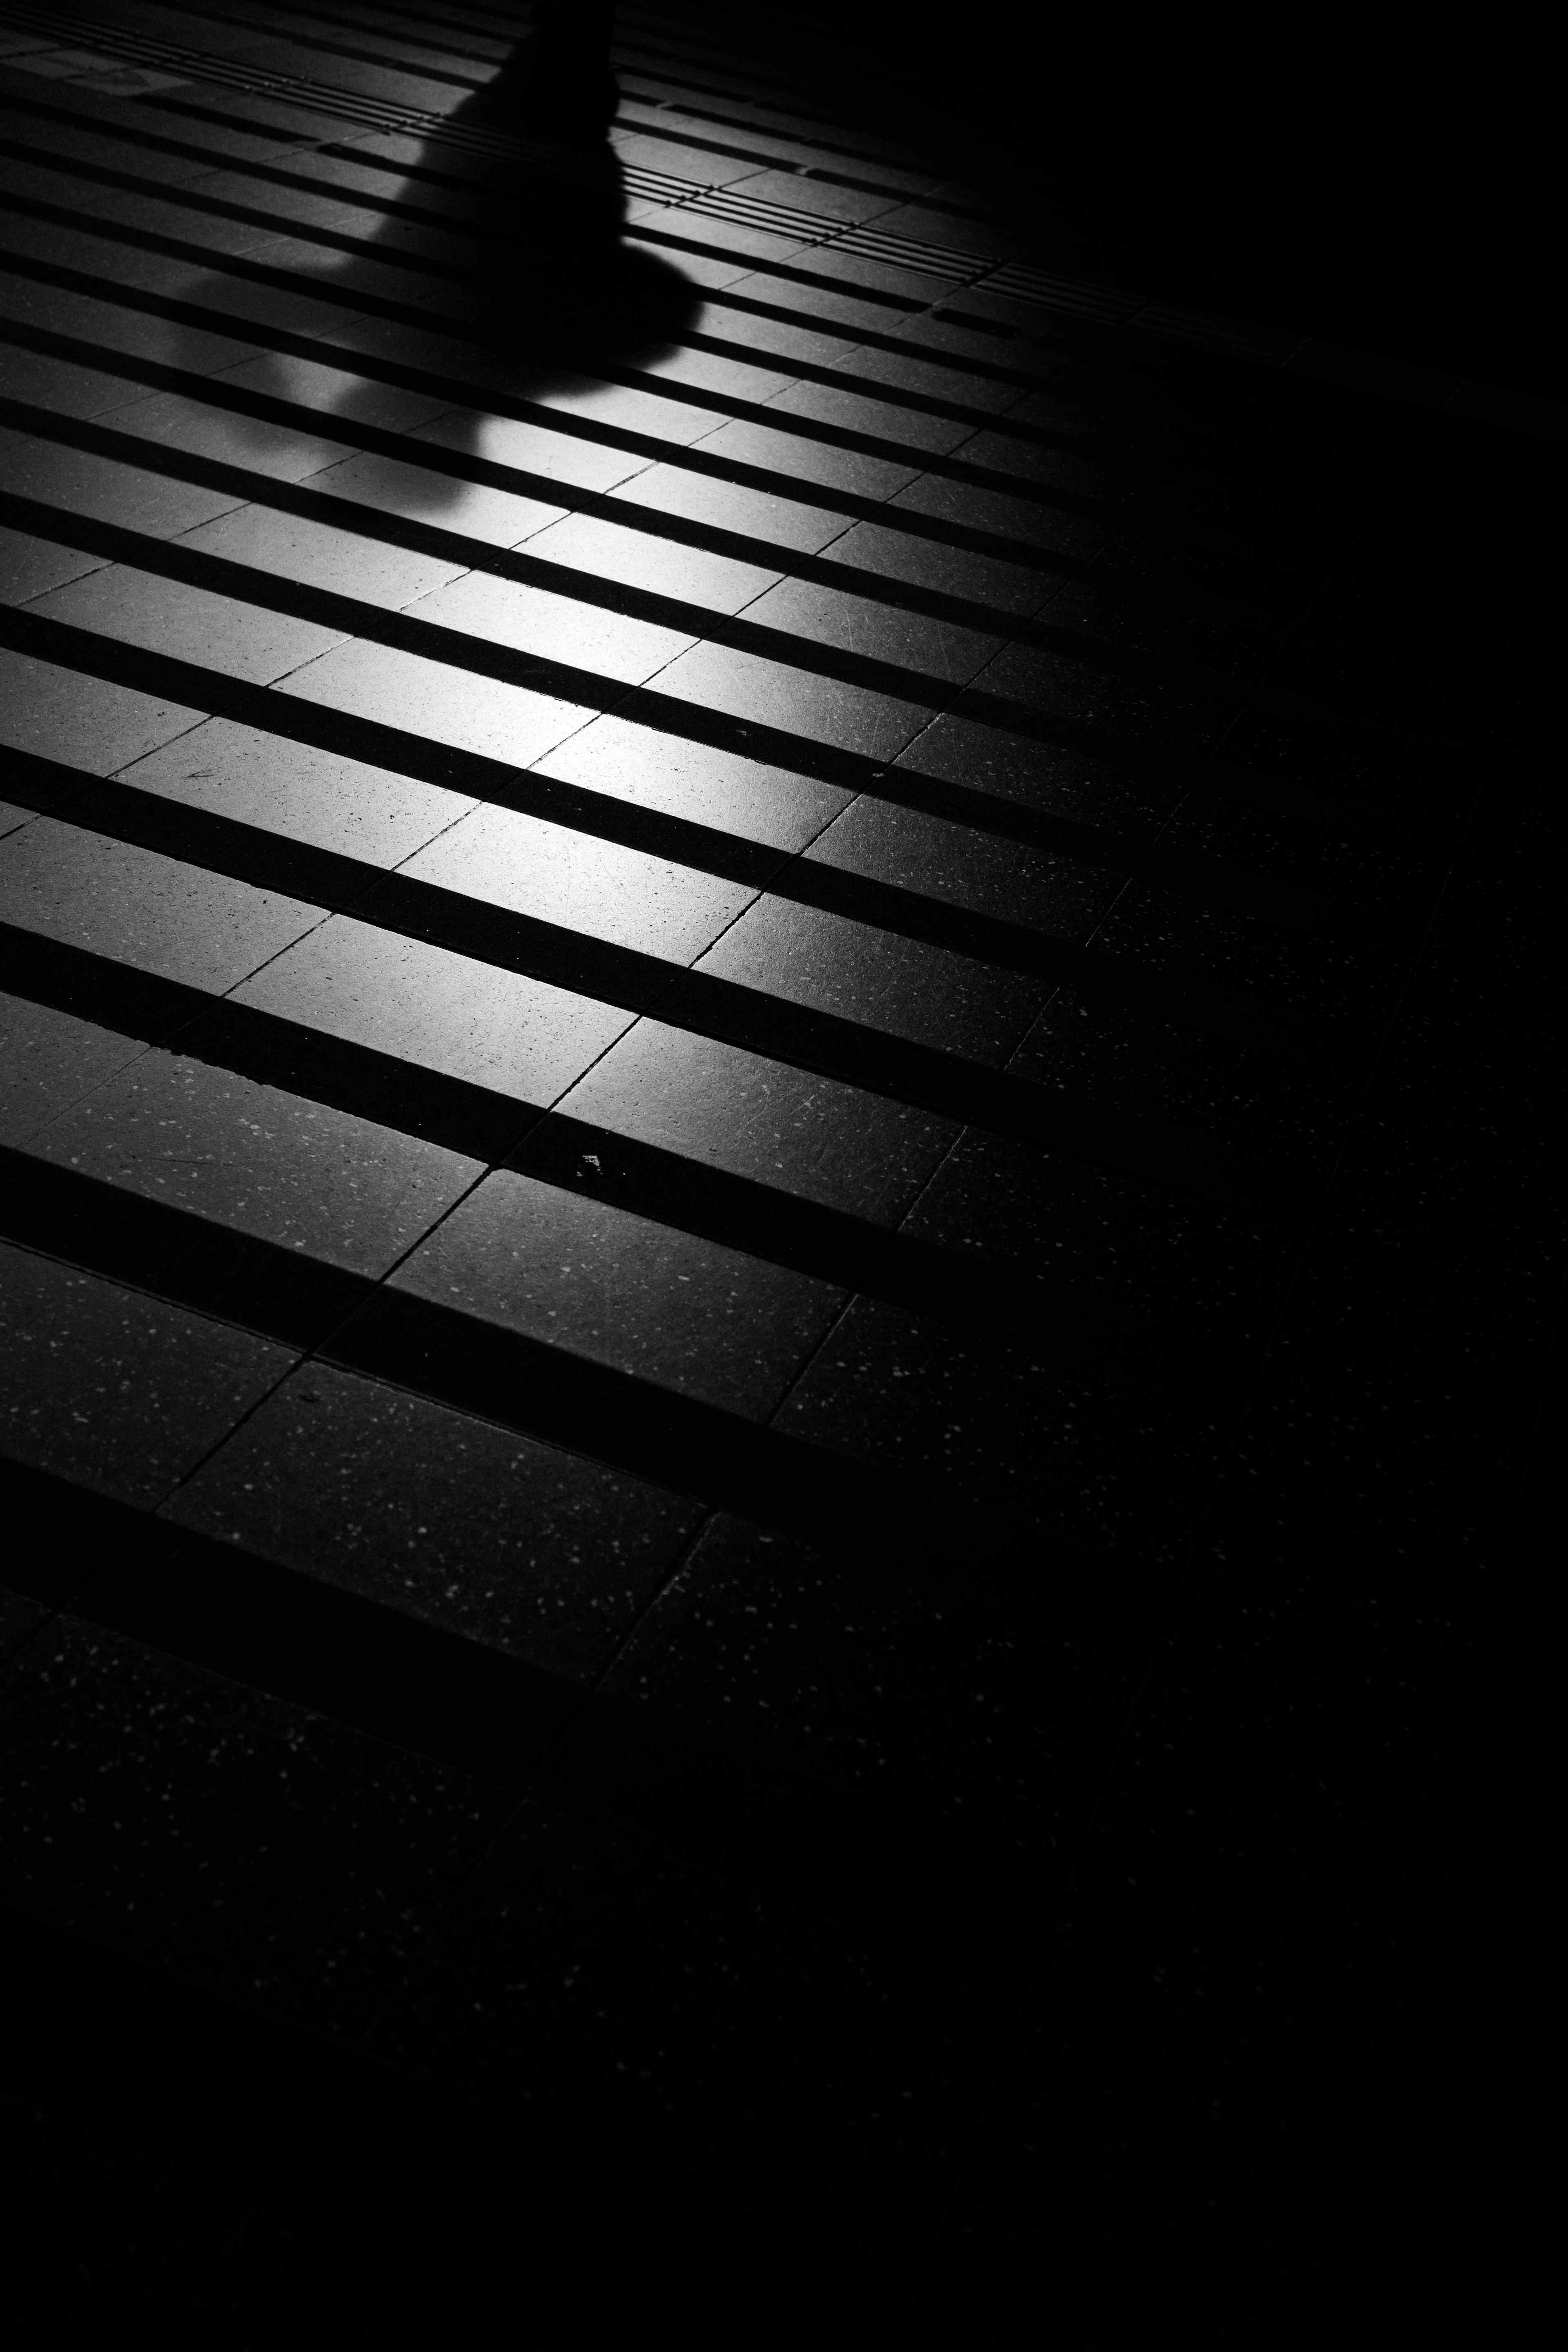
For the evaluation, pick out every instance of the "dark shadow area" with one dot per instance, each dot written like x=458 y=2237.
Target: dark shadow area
x=1375 y=182
x=511 y=244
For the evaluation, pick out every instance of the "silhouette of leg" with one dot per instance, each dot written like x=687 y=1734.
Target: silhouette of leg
x=557 y=83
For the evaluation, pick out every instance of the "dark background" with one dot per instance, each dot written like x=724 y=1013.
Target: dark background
x=1377 y=177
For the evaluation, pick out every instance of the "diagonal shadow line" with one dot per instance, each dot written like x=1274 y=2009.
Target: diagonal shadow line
x=661 y=1182
x=542 y=1391
x=920 y=461
x=102 y=436
x=680 y=839
x=359 y=437
x=790 y=649
x=993 y=421
x=278 y=861
x=456 y=649
x=725 y=408
x=827 y=1044
x=464 y=393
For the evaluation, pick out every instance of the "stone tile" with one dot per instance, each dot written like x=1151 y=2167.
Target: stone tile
x=114 y=328
x=765 y=1645
x=866 y=975
x=30 y=567
x=622 y=1290
x=881 y=277
x=669 y=157
x=1081 y=787
x=500 y=517
x=1250 y=1094
x=815 y=305
x=688 y=780
x=48 y=1060
x=788 y=188
x=770 y=519
x=336 y=391
x=258 y=1160
x=881 y=419
x=596 y=888
x=946 y=570
x=439 y=700
x=87 y=722
x=556 y=629
x=972 y=507
x=792 y=341
x=113 y=1390
x=733 y=378
x=61 y=386
x=1057 y=469
x=444 y=1012
x=773 y=694
x=762 y=1119
x=661 y=566
x=142 y=908
x=859 y=625
x=294 y=789
x=544 y=1555
x=1015 y=1429
x=532 y=448
x=1321 y=971
x=629 y=409
x=319 y=555
x=110 y=492
x=1058 y=1223
x=994 y=876
x=910 y=371
x=798 y=459
x=1186 y=717
x=225 y=1837
x=168 y=617
x=285 y=454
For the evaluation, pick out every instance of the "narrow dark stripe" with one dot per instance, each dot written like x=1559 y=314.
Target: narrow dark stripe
x=394 y=1677
x=541 y=1391
x=193 y=1259
x=408 y=1098
x=274 y=861
x=831 y=1245
x=462 y=393
x=570 y=422
x=825 y=1044
x=106 y=439
x=599 y=813
x=611 y=371
x=456 y=650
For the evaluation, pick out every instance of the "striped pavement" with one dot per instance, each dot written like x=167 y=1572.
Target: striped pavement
x=685 y=949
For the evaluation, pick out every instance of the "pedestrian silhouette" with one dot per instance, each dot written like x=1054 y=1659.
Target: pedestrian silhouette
x=506 y=232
